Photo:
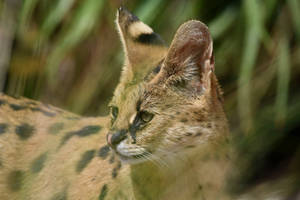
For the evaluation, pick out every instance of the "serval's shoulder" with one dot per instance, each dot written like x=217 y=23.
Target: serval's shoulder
x=49 y=153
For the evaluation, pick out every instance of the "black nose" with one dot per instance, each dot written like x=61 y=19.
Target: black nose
x=114 y=139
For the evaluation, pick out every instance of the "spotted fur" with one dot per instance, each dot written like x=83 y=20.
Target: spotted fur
x=167 y=127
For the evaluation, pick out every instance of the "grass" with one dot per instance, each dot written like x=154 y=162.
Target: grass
x=67 y=52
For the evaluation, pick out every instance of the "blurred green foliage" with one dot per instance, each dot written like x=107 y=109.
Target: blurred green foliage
x=67 y=52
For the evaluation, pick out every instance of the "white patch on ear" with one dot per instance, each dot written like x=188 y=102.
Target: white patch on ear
x=210 y=48
x=138 y=28
x=121 y=33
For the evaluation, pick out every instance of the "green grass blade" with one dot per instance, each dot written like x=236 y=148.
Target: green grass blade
x=55 y=16
x=294 y=6
x=25 y=15
x=252 y=43
x=219 y=25
x=84 y=20
x=148 y=10
x=283 y=74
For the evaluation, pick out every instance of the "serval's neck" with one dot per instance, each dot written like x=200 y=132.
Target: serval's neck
x=193 y=176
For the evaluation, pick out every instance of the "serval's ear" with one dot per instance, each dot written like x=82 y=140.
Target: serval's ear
x=189 y=63
x=143 y=48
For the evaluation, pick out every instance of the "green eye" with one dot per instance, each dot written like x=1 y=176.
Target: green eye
x=146 y=116
x=114 y=112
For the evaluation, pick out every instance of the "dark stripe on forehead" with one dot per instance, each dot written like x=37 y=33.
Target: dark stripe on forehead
x=156 y=70
x=150 y=38
x=138 y=105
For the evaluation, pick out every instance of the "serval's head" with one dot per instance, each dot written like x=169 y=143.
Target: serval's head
x=168 y=99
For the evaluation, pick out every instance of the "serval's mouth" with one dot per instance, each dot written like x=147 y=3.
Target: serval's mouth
x=132 y=154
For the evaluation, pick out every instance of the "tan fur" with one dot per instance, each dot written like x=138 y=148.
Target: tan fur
x=139 y=27
x=186 y=137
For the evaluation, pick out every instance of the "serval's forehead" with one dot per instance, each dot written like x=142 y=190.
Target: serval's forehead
x=138 y=87
x=128 y=95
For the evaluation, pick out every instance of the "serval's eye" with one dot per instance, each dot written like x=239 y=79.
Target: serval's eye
x=114 y=112
x=146 y=116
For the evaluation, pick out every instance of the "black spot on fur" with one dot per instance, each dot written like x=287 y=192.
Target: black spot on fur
x=86 y=131
x=72 y=118
x=103 y=152
x=24 y=131
x=198 y=134
x=119 y=165
x=209 y=125
x=190 y=146
x=114 y=173
x=103 y=192
x=47 y=113
x=168 y=106
x=199 y=120
x=200 y=187
x=3 y=128
x=183 y=120
x=112 y=159
x=2 y=102
x=150 y=38
x=85 y=159
x=188 y=134
x=31 y=103
x=115 y=170
x=60 y=196
x=55 y=128
x=16 y=107
x=38 y=164
x=15 y=180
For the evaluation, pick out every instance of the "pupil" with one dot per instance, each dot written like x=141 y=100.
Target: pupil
x=146 y=117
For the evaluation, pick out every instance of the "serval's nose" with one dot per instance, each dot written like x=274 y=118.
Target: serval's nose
x=114 y=139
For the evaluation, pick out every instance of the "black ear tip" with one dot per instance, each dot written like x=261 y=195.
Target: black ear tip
x=125 y=16
x=121 y=8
